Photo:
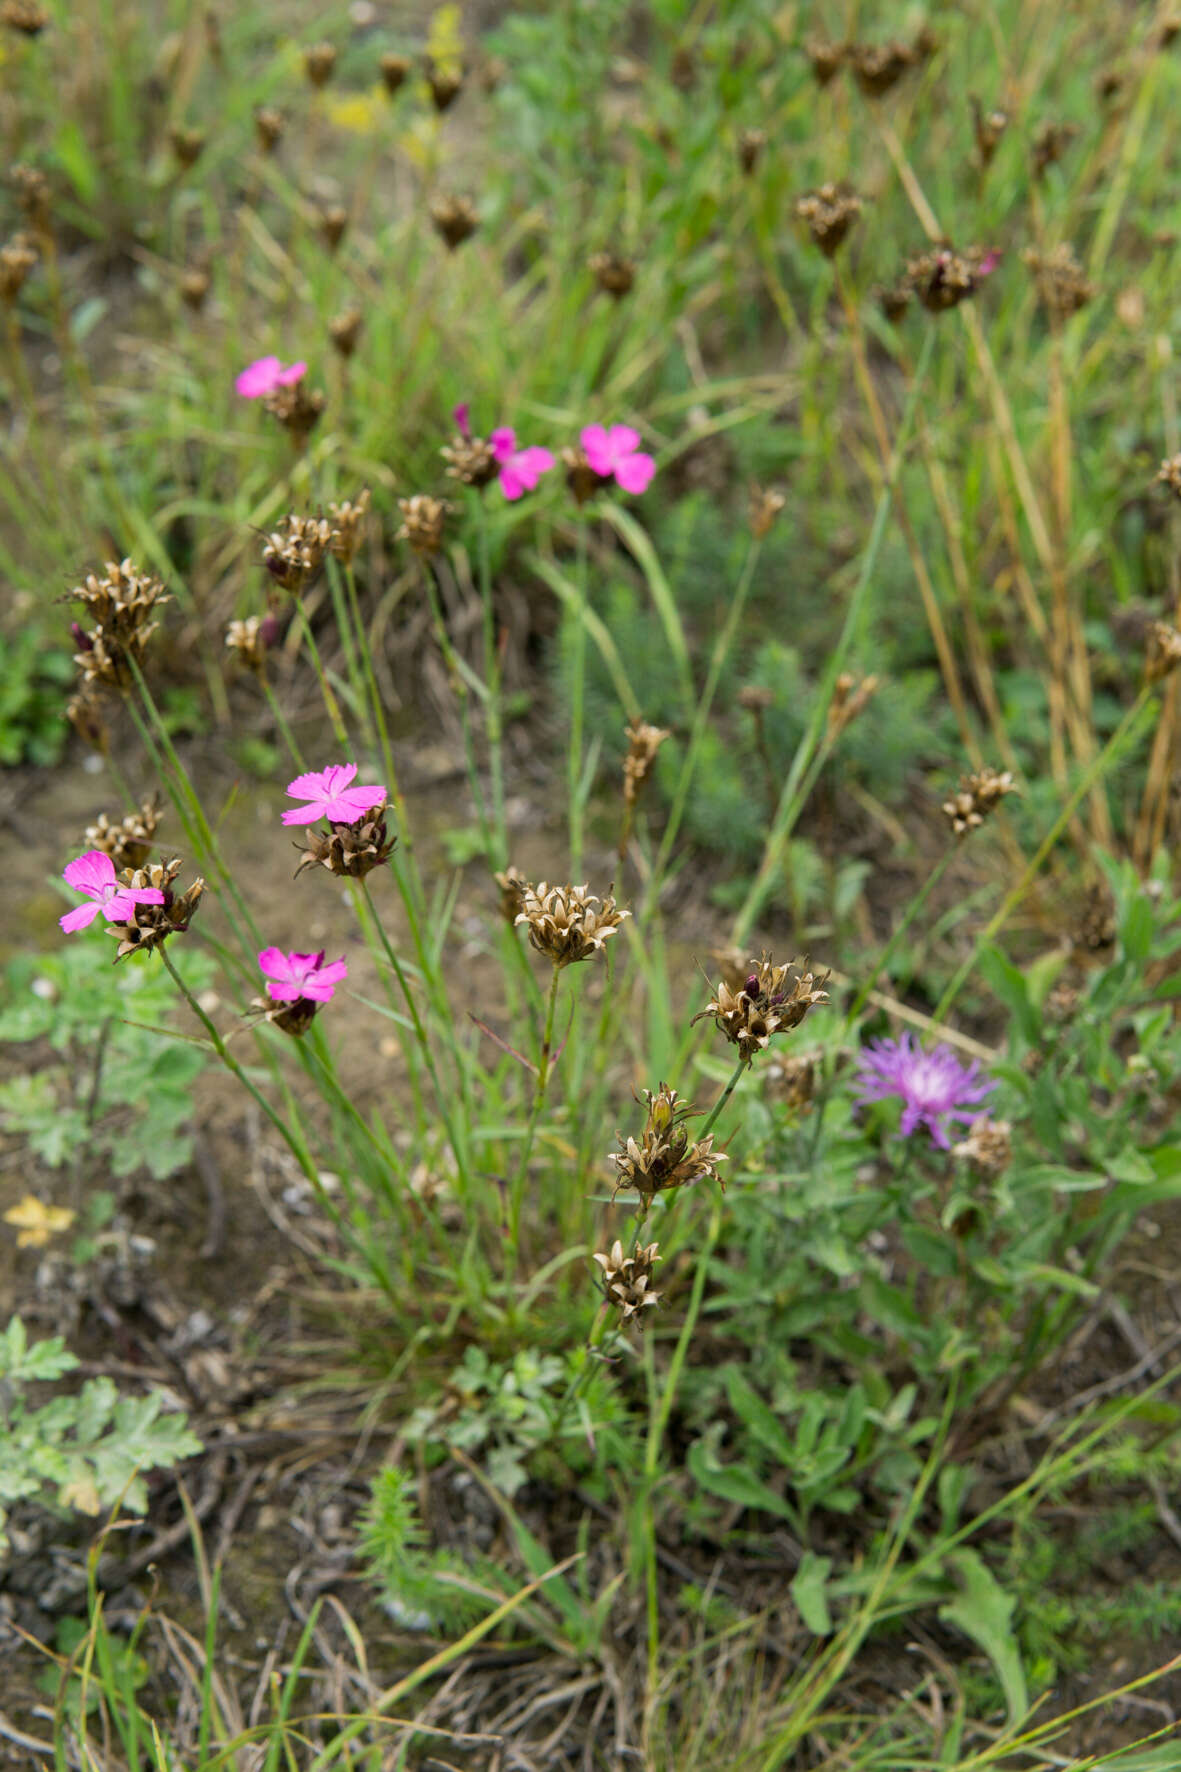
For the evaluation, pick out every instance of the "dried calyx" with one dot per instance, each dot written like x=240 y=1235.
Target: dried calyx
x=829 y=212
x=122 y=605
x=665 y=1156
x=977 y=796
x=454 y=219
x=643 y=742
x=627 y=1279
x=423 y=518
x=152 y=924
x=350 y=850
x=128 y=841
x=566 y=923
x=769 y=1002
x=294 y=551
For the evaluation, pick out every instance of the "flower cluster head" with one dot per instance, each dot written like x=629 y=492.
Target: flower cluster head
x=613 y=273
x=345 y=329
x=614 y=453
x=445 y=82
x=319 y=62
x=513 y=887
x=765 y=505
x=977 y=796
x=122 y=605
x=93 y=875
x=769 y=1002
x=423 y=518
x=643 y=742
x=31 y=188
x=1164 y=651
x=1061 y=282
x=128 y=841
x=988 y=1146
x=751 y=143
x=934 y=1086
x=18 y=258
x=454 y=219
x=294 y=551
x=942 y=278
x=28 y=17
x=395 y=71
x=297 y=408
x=1049 y=145
x=151 y=923
x=1170 y=474
x=348 y=525
x=566 y=923
x=665 y=1156
x=828 y=214
x=268 y=128
x=356 y=841
x=627 y=1279
x=988 y=128
x=302 y=983
x=849 y=698
x=251 y=639
x=266 y=375
x=879 y=66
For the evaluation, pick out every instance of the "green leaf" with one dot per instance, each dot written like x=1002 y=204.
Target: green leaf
x=756 y=1415
x=732 y=1482
x=1010 y=985
x=808 y=1590
x=984 y=1612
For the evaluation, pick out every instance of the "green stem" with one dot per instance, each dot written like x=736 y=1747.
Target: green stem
x=577 y=702
x=543 y=1069
x=723 y=1098
x=912 y=911
x=493 y=706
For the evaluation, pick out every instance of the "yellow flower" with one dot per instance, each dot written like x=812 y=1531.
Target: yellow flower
x=358 y=112
x=37 y=1223
x=444 y=44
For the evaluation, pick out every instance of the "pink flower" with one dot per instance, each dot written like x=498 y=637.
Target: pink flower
x=934 y=1086
x=614 y=453
x=520 y=469
x=292 y=977
x=329 y=796
x=989 y=262
x=460 y=415
x=94 y=874
x=265 y=375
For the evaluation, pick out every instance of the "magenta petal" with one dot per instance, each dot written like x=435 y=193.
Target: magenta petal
x=258 y=378
x=634 y=472
x=460 y=415
x=598 y=450
x=90 y=872
x=293 y=372
x=335 y=972
x=143 y=895
x=503 y=442
x=79 y=917
x=532 y=463
x=622 y=440
x=274 y=963
x=282 y=991
x=317 y=989
x=354 y=803
x=511 y=483
x=305 y=814
x=119 y=907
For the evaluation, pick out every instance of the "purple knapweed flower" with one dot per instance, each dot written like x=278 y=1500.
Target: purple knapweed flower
x=94 y=874
x=615 y=454
x=292 y=978
x=935 y=1087
x=329 y=796
x=266 y=374
x=520 y=469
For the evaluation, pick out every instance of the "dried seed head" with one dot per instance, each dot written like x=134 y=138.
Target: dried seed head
x=1164 y=651
x=643 y=742
x=187 y=144
x=1167 y=30
x=251 y=639
x=768 y=1003
x=893 y=299
x=348 y=526
x=879 y=66
x=1063 y=1002
x=152 y=924
x=1049 y=145
x=825 y=59
x=1170 y=475
x=319 y=63
x=566 y=923
x=294 y=552
x=297 y=408
x=829 y=213
x=122 y=605
x=978 y=794
x=470 y=460
x=793 y=1081
x=581 y=478
x=194 y=288
x=756 y=698
x=664 y=1157
x=32 y=196
x=751 y=143
x=942 y=278
x=765 y=506
x=627 y=1279
x=446 y=84
x=395 y=70
x=86 y=717
x=268 y=128
x=1061 y=283
x=734 y=964
x=345 y=329
x=988 y=128
x=26 y=16
x=988 y=1147
x=848 y=700
x=513 y=886
x=350 y=850
x=454 y=219
x=18 y=256
x=613 y=273
x=332 y=225
x=128 y=841
x=423 y=518
x=1109 y=83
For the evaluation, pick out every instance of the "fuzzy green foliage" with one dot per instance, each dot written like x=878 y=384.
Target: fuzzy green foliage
x=422 y=1587
x=32 y=699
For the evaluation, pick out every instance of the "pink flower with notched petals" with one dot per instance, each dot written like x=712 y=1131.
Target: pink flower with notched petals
x=94 y=874
x=292 y=978
x=265 y=375
x=615 y=454
x=520 y=469
x=330 y=796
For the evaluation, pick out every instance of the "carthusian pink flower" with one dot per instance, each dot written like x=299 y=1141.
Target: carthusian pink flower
x=520 y=469
x=329 y=796
x=94 y=874
x=265 y=375
x=293 y=978
x=616 y=454
x=934 y=1086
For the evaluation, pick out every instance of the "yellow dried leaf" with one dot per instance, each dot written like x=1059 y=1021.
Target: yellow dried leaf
x=81 y=1493
x=37 y=1222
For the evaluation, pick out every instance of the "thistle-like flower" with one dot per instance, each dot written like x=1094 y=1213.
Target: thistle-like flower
x=566 y=923
x=978 y=795
x=128 y=841
x=627 y=1279
x=934 y=1086
x=665 y=1157
x=766 y=1005
x=151 y=922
